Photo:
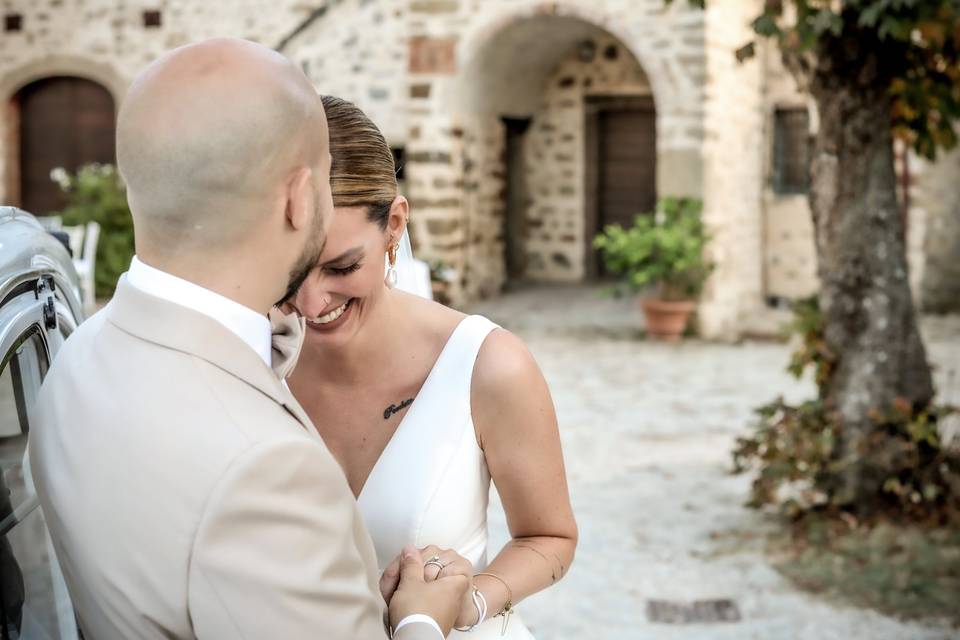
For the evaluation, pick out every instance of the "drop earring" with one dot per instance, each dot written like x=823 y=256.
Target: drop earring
x=391 y=278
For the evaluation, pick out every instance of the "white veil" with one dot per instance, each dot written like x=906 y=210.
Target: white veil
x=413 y=276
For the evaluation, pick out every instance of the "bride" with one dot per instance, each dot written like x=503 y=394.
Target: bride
x=422 y=405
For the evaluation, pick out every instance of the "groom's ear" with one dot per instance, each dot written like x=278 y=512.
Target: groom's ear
x=300 y=199
x=399 y=215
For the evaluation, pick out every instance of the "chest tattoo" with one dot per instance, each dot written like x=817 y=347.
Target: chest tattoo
x=396 y=408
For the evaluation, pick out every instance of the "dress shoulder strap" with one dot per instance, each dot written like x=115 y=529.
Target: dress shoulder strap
x=464 y=346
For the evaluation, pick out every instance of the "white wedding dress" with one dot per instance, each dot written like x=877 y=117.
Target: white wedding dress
x=431 y=483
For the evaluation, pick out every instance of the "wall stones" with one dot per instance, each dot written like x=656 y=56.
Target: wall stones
x=357 y=50
x=733 y=173
x=937 y=195
x=555 y=157
x=439 y=76
x=789 y=254
x=107 y=42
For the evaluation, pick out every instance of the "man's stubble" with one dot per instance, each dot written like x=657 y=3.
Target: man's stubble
x=310 y=256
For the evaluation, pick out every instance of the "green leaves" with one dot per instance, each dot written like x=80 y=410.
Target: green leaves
x=801 y=461
x=664 y=248
x=96 y=193
x=917 y=44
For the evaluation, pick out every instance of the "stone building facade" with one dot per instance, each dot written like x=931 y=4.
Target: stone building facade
x=502 y=112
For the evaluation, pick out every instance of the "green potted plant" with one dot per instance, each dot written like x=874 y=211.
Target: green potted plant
x=662 y=252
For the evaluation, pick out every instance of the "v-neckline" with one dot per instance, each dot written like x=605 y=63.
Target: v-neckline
x=416 y=399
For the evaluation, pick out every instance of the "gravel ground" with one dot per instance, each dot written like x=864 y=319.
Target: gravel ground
x=647 y=429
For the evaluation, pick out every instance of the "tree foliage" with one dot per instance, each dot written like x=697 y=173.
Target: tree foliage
x=96 y=193
x=799 y=463
x=919 y=43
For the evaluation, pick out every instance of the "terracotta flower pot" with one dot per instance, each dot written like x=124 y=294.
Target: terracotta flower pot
x=667 y=320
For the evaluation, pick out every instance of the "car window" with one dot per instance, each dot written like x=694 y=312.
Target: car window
x=33 y=598
x=19 y=383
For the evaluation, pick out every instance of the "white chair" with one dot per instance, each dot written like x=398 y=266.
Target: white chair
x=76 y=239
x=83 y=245
x=51 y=223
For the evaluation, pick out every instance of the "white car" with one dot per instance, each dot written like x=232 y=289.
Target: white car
x=39 y=307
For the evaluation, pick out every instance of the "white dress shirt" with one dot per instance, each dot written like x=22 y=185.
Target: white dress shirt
x=251 y=327
x=247 y=324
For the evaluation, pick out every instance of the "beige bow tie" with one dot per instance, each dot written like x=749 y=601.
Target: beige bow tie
x=287 y=340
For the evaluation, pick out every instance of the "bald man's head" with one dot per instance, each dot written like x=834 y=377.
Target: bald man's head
x=207 y=139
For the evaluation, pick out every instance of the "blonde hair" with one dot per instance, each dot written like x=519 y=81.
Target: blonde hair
x=363 y=172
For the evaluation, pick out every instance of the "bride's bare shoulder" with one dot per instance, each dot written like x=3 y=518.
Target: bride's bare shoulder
x=504 y=363
x=508 y=394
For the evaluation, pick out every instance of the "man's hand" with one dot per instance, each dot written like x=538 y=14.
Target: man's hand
x=440 y=599
x=453 y=564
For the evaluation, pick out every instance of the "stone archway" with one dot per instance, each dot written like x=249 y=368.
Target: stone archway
x=579 y=89
x=89 y=140
x=518 y=83
x=65 y=122
x=559 y=178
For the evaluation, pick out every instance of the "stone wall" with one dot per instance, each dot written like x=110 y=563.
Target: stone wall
x=936 y=193
x=108 y=43
x=438 y=75
x=476 y=61
x=357 y=50
x=555 y=155
x=789 y=254
x=733 y=172
x=484 y=207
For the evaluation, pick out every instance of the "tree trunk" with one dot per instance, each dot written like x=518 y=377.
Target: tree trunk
x=869 y=317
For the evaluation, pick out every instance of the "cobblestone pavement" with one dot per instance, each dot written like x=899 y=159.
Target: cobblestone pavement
x=647 y=429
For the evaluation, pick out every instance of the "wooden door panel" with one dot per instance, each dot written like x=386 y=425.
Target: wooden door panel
x=627 y=159
x=64 y=122
x=620 y=154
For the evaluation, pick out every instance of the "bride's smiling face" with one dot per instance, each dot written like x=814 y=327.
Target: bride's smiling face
x=340 y=294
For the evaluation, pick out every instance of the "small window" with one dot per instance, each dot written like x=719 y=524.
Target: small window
x=152 y=19
x=791 y=151
x=399 y=160
x=22 y=372
x=12 y=23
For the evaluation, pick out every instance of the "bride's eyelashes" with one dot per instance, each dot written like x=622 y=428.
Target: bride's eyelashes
x=344 y=271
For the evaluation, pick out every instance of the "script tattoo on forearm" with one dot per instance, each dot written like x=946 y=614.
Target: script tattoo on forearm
x=529 y=545
x=396 y=408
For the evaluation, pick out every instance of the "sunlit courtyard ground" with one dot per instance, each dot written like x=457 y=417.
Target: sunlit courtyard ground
x=647 y=429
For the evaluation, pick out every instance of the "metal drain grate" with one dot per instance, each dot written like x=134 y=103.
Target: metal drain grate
x=698 y=611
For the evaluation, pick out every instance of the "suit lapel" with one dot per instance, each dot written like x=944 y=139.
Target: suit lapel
x=173 y=326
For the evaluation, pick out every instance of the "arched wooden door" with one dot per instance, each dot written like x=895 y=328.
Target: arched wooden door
x=64 y=122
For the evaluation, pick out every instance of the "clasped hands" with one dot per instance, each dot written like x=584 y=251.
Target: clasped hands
x=413 y=584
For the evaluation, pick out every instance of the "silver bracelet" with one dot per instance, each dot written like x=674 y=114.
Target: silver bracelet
x=480 y=602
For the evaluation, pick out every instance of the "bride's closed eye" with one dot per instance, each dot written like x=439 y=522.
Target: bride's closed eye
x=344 y=271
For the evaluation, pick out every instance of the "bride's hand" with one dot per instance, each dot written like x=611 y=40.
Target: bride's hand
x=453 y=564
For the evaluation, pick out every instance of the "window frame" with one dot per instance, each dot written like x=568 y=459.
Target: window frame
x=781 y=151
x=21 y=318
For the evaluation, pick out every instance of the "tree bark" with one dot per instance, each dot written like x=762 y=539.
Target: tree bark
x=869 y=317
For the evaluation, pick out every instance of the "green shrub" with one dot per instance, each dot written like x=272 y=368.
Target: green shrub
x=664 y=249
x=797 y=455
x=96 y=193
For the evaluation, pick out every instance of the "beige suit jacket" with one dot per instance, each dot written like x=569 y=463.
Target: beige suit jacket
x=187 y=493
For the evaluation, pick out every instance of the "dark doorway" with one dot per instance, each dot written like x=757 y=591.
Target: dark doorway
x=621 y=165
x=515 y=214
x=63 y=122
